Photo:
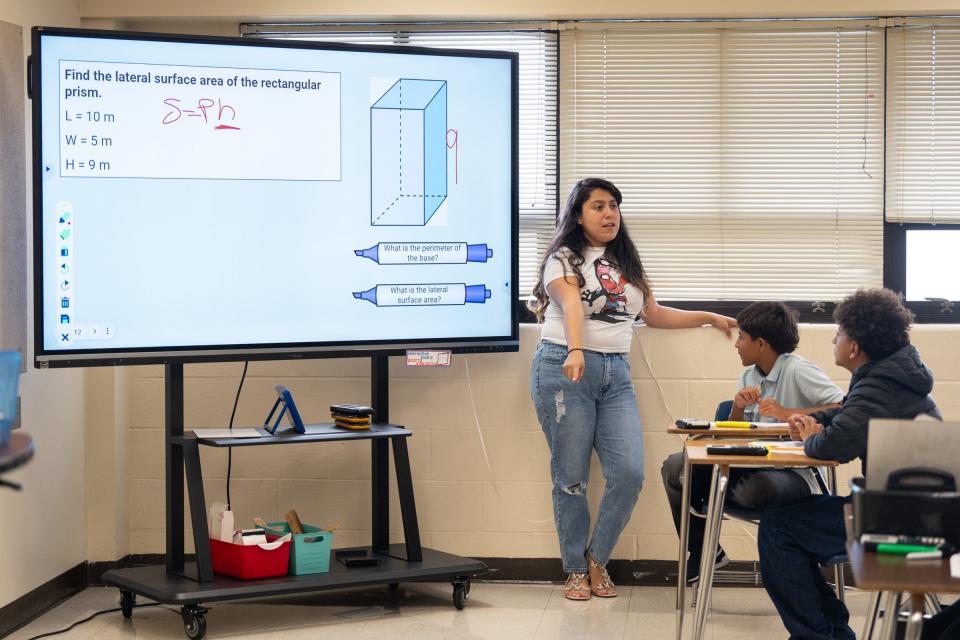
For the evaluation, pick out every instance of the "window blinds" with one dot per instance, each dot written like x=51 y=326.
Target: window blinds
x=923 y=122
x=750 y=157
x=537 y=48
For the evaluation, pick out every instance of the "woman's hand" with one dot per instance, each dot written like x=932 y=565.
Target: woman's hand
x=724 y=323
x=573 y=366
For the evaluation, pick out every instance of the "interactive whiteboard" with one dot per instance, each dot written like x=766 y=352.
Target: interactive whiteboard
x=218 y=198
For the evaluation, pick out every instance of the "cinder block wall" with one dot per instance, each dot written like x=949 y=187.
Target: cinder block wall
x=465 y=506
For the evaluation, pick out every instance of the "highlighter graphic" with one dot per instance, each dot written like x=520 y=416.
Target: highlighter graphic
x=426 y=253
x=420 y=295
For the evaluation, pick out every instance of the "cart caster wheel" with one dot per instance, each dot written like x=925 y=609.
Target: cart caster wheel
x=127 y=602
x=194 y=622
x=461 y=591
x=196 y=628
x=394 y=586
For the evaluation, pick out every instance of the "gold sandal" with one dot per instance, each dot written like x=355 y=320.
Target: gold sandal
x=603 y=587
x=577 y=587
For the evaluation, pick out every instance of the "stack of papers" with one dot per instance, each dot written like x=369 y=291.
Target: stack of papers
x=783 y=446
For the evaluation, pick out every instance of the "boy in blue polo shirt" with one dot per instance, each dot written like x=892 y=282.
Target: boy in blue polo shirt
x=776 y=384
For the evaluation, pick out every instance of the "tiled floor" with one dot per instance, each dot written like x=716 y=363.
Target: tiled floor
x=496 y=611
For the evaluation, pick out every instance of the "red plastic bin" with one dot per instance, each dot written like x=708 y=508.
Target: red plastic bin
x=249 y=562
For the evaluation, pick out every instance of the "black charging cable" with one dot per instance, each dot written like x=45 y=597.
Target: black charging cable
x=91 y=617
x=233 y=413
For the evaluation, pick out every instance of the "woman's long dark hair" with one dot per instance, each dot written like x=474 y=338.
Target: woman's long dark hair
x=569 y=237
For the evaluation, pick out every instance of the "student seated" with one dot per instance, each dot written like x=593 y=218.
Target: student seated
x=944 y=625
x=776 y=384
x=889 y=381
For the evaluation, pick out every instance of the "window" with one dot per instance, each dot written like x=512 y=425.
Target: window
x=537 y=46
x=790 y=160
x=750 y=156
x=931 y=264
x=923 y=164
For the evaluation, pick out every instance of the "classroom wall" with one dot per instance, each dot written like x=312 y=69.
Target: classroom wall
x=464 y=506
x=44 y=533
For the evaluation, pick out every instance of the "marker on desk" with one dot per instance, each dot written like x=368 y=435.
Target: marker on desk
x=925 y=541
x=926 y=555
x=899 y=549
x=733 y=424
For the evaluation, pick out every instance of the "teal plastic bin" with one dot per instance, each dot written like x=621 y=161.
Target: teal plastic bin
x=310 y=552
x=9 y=380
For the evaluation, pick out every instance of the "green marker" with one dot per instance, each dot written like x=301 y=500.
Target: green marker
x=899 y=549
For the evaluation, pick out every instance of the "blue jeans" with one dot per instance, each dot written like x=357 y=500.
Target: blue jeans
x=793 y=540
x=598 y=412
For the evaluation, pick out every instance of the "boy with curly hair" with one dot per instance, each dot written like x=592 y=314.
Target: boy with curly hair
x=889 y=381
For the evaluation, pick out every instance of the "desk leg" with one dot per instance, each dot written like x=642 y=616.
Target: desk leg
x=915 y=622
x=891 y=607
x=198 y=509
x=408 y=508
x=872 y=610
x=718 y=492
x=684 y=533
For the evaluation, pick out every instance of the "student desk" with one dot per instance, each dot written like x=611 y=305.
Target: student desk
x=764 y=433
x=695 y=453
x=895 y=575
x=760 y=433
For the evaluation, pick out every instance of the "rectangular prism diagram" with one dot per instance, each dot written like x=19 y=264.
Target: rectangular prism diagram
x=408 y=153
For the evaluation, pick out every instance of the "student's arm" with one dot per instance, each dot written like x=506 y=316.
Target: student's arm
x=565 y=292
x=844 y=436
x=812 y=386
x=826 y=416
x=745 y=397
x=821 y=418
x=661 y=317
x=770 y=407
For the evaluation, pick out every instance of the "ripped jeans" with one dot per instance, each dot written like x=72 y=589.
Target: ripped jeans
x=598 y=412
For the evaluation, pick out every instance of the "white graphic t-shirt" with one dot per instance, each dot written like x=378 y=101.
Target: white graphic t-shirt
x=610 y=304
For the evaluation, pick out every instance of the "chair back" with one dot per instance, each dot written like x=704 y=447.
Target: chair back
x=723 y=410
x=9 y=379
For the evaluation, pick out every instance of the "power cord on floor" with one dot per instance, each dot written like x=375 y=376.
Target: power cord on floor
x=666 y=407
x=91 y=617
x=483 y=444
x=656 y=381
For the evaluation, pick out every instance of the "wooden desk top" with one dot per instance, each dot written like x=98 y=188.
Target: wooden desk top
x=761 y=433
x=697 y=454
x=883 y=572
